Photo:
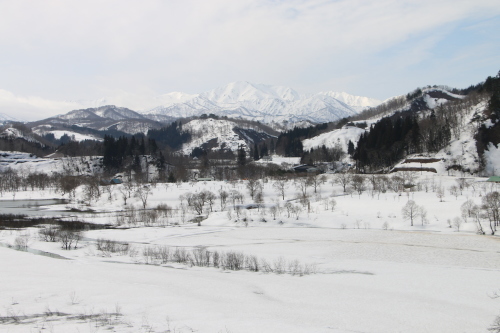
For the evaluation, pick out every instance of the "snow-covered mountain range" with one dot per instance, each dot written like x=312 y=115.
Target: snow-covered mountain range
x=101 y=118
x=263 y=103
x=242 y=99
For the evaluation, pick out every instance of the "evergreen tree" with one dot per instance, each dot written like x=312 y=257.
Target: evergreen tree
x=255 y=152
x=350 y=148
x=142 y=147
x=241 y=157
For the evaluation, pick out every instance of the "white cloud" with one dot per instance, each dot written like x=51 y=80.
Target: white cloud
x=69 y=50
x=24 y=108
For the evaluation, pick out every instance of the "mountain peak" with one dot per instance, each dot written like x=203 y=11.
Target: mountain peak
x=266 y=103
x=246 y=91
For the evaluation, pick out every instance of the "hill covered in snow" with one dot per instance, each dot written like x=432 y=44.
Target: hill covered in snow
x=102 y=118
x=223 y=134
x=433 y=123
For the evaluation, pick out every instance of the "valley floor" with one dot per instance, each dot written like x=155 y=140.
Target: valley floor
x=365 y=278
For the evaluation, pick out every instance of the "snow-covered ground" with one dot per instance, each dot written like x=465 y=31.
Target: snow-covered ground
x=280 y=160
x=330 y=139
x=373 y=271
x=73 y=135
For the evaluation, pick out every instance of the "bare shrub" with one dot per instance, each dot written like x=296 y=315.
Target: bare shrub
x=265 y=266
x=234 y=261
x=216 y=259
x=252 y=263
x=333 y=204
x=180 y=255
x=310 y=269
x=201 y=257
x=148 y=255
x=49 y=234
x=226 y=260
x=107 y=246
x=295 y=268
x=69 y=239
x=163 y=254
x=495 y=327
x=22 y=240
x=279 y=265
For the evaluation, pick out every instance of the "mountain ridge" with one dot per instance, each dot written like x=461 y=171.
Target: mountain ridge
x=265 y=103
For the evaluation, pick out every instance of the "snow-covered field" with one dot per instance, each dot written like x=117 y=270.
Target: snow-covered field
x=370 y=271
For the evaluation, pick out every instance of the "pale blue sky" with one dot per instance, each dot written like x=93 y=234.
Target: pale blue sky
x=58 y=50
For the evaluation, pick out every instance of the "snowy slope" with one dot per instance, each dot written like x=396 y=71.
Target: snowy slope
x=219 y=133
x=265 y=103
x=24 y=162
x=359 y=103
x=461 y=152
x=329 y=139
x=12 y=133
x=73 y=135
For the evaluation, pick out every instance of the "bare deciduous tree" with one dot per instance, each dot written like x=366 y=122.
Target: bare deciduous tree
x=223 y=195
x=253 y=186
x=235 y=197
x=274 y=211
x=454 y=190
x=358 y=183
x=332 y=203
x=457 y=223
x=476 y=214
x=422 y=212
x=143 y=192
x=491 y=207
x=343 y=179
x=280 y=186
x=316 y=181
x=210 y=198
x=302 y=183
x=289 y=208
x=467 y=209
x=410 y=211
x=440 y=193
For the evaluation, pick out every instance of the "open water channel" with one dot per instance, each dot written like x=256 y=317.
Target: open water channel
x=39 y=207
